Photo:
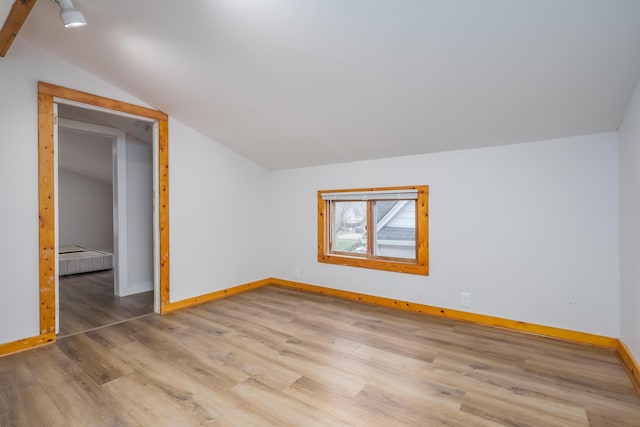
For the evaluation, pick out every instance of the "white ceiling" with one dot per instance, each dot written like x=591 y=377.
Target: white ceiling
x=88 y=154
x=134 y=128
x=5 y=7
x=291 y=83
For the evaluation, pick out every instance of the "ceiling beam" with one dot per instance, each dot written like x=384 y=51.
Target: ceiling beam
x=18 y=14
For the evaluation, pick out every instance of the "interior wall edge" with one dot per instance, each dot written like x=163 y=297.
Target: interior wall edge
x=223 y=293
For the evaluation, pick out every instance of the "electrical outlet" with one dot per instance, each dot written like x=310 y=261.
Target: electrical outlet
x=297 y=273
x=465 y=299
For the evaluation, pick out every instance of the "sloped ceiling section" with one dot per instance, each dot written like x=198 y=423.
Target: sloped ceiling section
x=5 y=7
x=292 y=83
x=12 y=16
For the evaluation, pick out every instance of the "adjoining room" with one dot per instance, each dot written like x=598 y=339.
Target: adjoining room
x=105 y=238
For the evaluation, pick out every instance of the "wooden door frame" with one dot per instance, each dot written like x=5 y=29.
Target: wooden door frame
x=46 y=186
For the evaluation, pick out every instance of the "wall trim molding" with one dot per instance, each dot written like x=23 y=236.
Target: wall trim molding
x=630 y=363
x=532 y=328
x=482 y=319
x=624 y=354
x=223 y=293
x=47 y=95
x=26 y=344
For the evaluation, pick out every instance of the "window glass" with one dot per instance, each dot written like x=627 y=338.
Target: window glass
x=349 y=231
x=395 y=231
x=380 y=228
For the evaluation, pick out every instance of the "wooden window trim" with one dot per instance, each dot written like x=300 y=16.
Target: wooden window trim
x=419 y=266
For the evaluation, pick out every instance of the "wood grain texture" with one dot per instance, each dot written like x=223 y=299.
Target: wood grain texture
x=223 y=293
x=630 y=363
x=163 y=204
x=46 y=212
x=46 y=94
x=17 y=15
x=87 y=302
x=422 y=218
x=277 y=356
x=482 y=319
x=100 y=101
x=419 y=266
x=323 y=232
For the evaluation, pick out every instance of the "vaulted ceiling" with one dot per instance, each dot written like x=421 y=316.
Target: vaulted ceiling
x=294 y=83
x=5 y=7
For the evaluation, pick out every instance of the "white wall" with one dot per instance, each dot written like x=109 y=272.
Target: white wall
x=219 y=211
x=85 y=211
x=139 y=217
x=530 y=230
x=85 y=154
x=20 y=71
x=630 y=226
x=205 y=181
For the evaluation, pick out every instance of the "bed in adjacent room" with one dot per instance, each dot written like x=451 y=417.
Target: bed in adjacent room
x=78 y=259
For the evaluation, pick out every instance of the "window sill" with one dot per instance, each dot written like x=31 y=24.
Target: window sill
x=409 y=267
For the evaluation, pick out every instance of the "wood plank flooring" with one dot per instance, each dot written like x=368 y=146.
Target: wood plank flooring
x=281 y=357
x=87 y=302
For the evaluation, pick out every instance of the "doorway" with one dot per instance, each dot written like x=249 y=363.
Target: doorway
x=48 y=96
x=104 y=218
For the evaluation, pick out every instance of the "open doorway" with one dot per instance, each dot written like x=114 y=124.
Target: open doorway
x=104 y=218
x=48 y=95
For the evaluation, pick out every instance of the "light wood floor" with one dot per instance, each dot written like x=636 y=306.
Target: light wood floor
x=280 y=357
x=87 y=301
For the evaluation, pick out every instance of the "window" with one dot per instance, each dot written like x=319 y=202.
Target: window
x=383 y=228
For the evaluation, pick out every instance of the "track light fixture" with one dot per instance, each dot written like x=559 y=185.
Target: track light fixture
x=71 y=17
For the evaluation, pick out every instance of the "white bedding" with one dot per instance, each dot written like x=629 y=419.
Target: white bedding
x=77 y=259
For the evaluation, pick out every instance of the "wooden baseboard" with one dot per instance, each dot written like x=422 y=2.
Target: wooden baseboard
x=223 y=293
x=26 y=344
x=630 y=364
x=548 y=331
x=625 y=355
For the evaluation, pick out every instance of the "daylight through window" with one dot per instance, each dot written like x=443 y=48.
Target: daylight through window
x=384 y=228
